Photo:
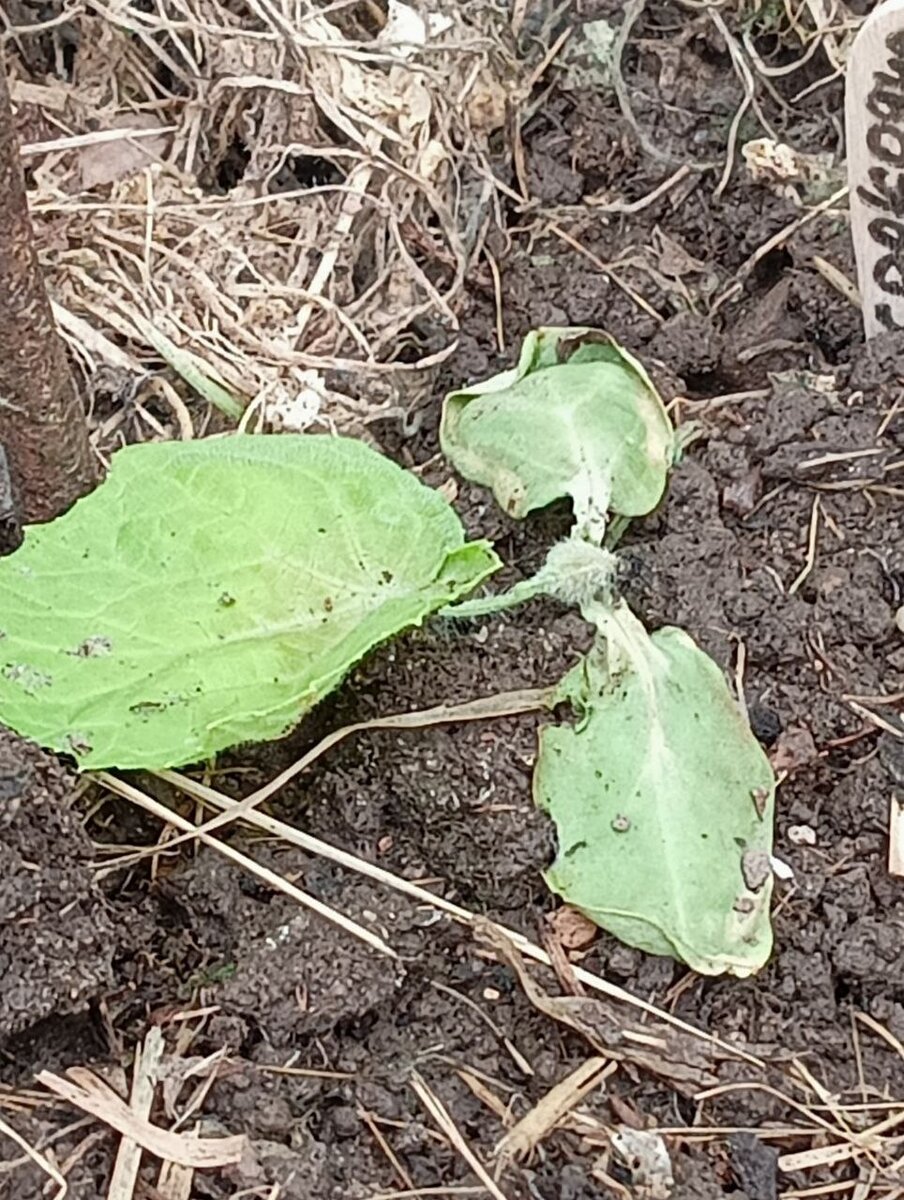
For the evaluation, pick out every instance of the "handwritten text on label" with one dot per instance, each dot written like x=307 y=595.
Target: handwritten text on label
x=875 y=146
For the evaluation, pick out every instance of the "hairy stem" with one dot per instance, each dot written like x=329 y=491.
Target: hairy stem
x=484 y=606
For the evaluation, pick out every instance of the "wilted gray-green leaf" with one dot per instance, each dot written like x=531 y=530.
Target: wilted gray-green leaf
x=210 y=593
x=662 y=800
x=577 y=417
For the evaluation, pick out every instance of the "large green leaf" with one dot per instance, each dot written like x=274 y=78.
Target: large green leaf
x=663 y=801
x=210 y=593
x=577 y=417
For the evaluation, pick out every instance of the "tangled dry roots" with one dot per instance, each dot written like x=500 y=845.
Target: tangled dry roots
x=299 y=210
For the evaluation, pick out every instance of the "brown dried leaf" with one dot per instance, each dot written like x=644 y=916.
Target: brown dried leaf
x=571 y=929
x=673 y=260
x=685 y=1062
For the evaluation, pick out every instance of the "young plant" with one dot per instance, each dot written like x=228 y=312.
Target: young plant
x=211 y=593
x=661 y=796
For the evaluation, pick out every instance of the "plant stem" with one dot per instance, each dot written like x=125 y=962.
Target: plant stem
x=616 y=531
x=484 y=606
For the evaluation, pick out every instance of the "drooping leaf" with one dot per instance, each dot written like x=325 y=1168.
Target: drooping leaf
x=210 y=593
x=663 y=801
x=577 y=417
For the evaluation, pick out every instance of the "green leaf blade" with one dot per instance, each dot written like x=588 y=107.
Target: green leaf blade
x=211 y=593
x=577 y=417
x=663 y=803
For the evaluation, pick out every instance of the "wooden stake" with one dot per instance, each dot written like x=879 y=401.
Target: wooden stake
x=42 y=422
x=874 y=120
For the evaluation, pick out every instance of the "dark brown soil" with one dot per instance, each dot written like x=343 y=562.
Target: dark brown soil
x=790 y=383
x=55 y=938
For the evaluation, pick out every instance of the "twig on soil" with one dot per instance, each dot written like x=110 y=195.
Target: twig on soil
x=826 y=30
x=606 y=269
x=655 y=1048
x=548 y=59
x=301 y=1072
x=815 y=86
x=174 y=1181
x=91 y=339
x=497 y=294
x=769 y=72
x=874 y=718
x=393 y=1159
x=832 y=1190
x=853 y=1142
x=636 y=206
x=876 y=698
x=816 y=1156
x=864 y=1140
x=889 y=417
x=825 y=460
x=83 y=1089
x=743 y=72
x=728 y=399
x=837 y=279
x=812 y=542
x=20 y=1100
x=773 y=243
x=7 y=1166
x=443 y=1119
x=863 y=1188
x=562 y=966
x=519 y=12
x=520 y=1061
x=417 y=1193
x=631 y=13
x=880 y=1031
x=702 y=1133
x=488 y=1098
x=271 y=878
x=141 y=1100
x=504 y=704
x=80 y=140
x=352 y=204
x=522 y=1139
x=78 y=1152
x=36 y=1157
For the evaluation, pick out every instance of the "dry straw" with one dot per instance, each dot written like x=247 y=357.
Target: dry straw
x=280 y=189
